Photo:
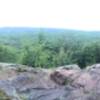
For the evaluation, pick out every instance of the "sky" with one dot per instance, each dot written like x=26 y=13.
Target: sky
x=68 y=14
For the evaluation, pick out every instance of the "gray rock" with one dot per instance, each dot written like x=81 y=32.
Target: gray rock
x=19 y=82
x=7 y=88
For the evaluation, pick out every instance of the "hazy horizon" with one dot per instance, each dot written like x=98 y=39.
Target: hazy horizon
x=64 y=14
x=43 y=28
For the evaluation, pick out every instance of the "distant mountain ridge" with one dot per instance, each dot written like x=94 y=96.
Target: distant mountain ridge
x=34 y=29
x=51 y=31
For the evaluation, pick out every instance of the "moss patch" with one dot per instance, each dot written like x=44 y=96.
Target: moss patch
x=3 y=96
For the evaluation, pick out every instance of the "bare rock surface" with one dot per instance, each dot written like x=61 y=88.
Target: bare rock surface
x=19 y=82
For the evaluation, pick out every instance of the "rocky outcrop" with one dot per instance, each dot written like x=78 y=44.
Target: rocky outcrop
x=19 y=82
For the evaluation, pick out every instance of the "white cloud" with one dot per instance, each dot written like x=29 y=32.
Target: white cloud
x=75 y=14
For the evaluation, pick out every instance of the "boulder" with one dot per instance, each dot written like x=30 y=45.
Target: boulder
x=65 y=74
x=80 y=85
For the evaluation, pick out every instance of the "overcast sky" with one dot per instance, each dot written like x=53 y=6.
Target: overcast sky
x=70 y=14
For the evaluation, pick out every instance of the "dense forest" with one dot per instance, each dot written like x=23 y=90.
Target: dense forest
x=45 y=47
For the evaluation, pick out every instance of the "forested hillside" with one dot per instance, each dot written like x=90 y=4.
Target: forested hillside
x=43 y=47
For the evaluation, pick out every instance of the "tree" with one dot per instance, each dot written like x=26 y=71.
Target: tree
x=7 y=54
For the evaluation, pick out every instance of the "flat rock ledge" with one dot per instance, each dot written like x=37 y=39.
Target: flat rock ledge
x=19 y=82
